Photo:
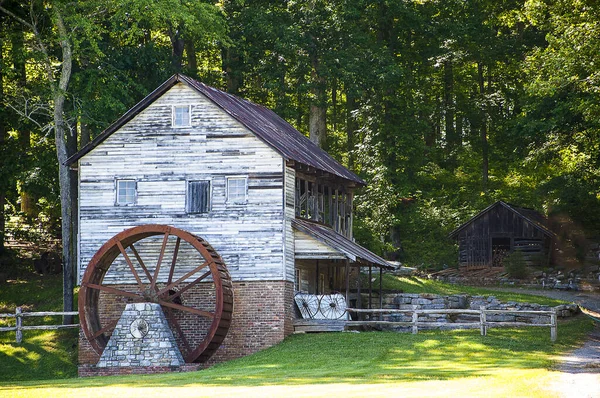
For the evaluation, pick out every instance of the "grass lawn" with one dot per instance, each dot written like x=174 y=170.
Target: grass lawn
x=507 y=362
x=411 y=284
x=515 y=362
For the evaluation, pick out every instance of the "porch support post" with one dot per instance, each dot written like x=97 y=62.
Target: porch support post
x=370 y=284
x=358 y=299
x=380 y=287
x=318 y=278
x=347 y=281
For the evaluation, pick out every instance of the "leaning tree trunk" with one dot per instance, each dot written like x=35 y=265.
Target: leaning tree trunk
x=64 y=176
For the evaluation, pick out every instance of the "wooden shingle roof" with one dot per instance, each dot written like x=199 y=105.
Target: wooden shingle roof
x=263 y=122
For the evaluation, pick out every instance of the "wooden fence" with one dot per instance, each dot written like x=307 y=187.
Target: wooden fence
x=483 y=323
x=19 y=315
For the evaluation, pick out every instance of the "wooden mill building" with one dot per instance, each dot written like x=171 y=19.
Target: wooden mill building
x=276 y=207
x=499 y=229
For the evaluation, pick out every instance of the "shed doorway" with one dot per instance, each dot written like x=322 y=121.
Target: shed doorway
x=500 y=248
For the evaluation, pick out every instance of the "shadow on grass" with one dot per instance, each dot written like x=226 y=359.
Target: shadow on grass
x=369 y=358
x=42 y=355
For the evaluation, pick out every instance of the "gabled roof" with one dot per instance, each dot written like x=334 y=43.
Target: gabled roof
x=263 y=122
x=337 y=241
x=535 y=218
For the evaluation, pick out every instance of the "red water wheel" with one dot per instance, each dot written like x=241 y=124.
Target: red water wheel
x=164 y=265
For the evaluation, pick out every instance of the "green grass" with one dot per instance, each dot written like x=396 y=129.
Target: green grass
x=412 y=284
x=507 y=362
x=511 y=362
x=42 y=354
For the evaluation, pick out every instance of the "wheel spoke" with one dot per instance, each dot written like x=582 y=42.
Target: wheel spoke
x=178 y=281
x=140 y=262
x=175 y=252
x=196 y=311
x=188 y=286
x=160 y=258
x=169 y=314
x=133 y=271
x=106 y=328
x=112 y=290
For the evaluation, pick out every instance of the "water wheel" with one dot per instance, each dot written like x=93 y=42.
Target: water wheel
x=164 y=265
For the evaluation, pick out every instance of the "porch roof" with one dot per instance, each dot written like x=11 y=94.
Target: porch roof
x=340 y=243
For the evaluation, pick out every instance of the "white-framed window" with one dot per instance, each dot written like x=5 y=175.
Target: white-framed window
x=237 y=190
x=198 y=196
x=181 y=116
x=126 y=192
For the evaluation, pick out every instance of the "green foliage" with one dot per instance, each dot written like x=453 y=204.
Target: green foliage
x=442 y=107
x=515 y=265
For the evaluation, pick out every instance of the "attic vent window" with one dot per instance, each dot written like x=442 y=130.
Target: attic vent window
x=198 y=197
x=126 y=192
x=237 y=188
x=181 y=116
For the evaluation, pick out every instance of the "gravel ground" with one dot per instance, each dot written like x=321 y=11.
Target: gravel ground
x=580 y=369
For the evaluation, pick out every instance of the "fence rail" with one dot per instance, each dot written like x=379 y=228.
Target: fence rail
x=483 y=323
x=19 y=328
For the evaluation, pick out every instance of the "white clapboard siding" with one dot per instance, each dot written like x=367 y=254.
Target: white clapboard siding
x=290 y=213
x=307 y=247
x=250 y=236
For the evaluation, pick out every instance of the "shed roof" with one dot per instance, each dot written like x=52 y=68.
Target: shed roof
x=263 y=122
x=534 y=217
x=337 y=241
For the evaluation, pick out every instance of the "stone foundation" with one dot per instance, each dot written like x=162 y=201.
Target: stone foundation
x=262 y=317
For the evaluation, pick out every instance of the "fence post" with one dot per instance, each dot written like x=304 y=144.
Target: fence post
x=19 y=321
x=553 y=329
x=483 y=321
x=415 y=319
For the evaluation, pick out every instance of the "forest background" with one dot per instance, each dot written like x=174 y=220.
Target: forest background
x=442 y=106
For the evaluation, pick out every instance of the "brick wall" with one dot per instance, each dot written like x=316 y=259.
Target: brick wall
x=262 y=317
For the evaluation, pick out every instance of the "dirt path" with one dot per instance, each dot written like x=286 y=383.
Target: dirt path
x=579 y=369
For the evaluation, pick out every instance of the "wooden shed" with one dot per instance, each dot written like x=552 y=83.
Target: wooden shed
x=501 y=228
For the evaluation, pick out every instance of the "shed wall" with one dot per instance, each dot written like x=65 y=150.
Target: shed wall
x=476 y=239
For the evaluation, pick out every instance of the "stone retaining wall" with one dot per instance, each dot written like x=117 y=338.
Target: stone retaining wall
x=426 y=301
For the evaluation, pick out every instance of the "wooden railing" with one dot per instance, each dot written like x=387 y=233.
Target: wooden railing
x=483 y=323
x=19 y=328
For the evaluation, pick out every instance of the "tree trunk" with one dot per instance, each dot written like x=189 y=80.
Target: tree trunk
x=61 y=132
x=231 y=66
x=85 y=135
x=2 y=142
x=23 y=133
x=317 y=118
x=351 y=127
x=452 y=141
x=192 y=61
x=178 y=45
x=483 y=130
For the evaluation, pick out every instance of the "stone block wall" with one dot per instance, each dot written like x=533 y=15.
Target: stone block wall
x=262 y=317
x=425 y=301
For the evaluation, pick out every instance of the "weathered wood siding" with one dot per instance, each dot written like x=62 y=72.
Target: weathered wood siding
x=307 y=247
x=161 y=159
x=289 y=197
x=476 y=239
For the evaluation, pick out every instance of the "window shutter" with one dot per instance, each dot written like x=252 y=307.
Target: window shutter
x=198 y=196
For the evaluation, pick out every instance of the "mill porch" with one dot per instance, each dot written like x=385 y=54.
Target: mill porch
x=328 y=269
